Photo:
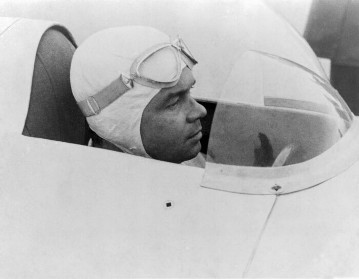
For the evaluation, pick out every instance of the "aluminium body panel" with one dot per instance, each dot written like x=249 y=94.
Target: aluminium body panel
x=68 y=211
x=314 y=232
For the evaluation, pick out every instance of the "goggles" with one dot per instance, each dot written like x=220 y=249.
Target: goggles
x=94 y=104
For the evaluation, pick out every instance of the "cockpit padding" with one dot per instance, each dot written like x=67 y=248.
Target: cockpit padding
x=206 y=122
x=53 y=113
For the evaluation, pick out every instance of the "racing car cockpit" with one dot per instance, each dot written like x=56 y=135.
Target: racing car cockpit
x=270 y=112
x=269 y=118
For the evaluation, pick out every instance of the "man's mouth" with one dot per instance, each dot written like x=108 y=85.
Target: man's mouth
x=197 y=135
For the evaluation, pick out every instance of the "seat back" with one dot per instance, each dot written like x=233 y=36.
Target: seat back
x=53 y=113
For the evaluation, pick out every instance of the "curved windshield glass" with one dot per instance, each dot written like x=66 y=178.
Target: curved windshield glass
x=273 y=112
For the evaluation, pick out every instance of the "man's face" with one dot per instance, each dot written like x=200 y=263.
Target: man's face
x=170 y=124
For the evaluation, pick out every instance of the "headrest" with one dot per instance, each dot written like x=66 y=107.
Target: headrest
x=53 y=112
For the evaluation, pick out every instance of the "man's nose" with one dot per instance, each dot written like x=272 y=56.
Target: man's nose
x=196 y=112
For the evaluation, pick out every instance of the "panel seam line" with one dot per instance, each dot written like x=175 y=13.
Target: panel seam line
x=256 y=245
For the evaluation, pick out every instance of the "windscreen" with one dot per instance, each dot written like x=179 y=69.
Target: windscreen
x=272 y=112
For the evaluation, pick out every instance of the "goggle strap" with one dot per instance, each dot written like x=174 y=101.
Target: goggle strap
x=94 y=104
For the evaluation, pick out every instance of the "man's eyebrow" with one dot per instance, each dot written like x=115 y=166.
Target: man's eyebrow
x=171 y=95
x=183 y=91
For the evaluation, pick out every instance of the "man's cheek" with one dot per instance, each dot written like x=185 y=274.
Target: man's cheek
x=168 y=124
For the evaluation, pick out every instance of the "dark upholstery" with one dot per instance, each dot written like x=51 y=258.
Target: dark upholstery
x=346 y=80
x=332 y=32
x=53 y=112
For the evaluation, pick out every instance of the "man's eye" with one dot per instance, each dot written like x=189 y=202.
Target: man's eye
x=173 y=104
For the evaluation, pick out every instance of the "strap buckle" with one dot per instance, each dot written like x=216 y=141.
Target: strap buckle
x=93 y=105
x=127 y=81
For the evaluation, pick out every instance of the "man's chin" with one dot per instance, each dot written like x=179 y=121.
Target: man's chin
x=194 y=151
x=184 y=155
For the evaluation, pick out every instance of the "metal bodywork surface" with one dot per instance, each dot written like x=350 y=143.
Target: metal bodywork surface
x=70 y=211
x=313 y=233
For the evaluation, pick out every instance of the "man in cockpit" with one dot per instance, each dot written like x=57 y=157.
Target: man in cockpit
x=133 y=85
